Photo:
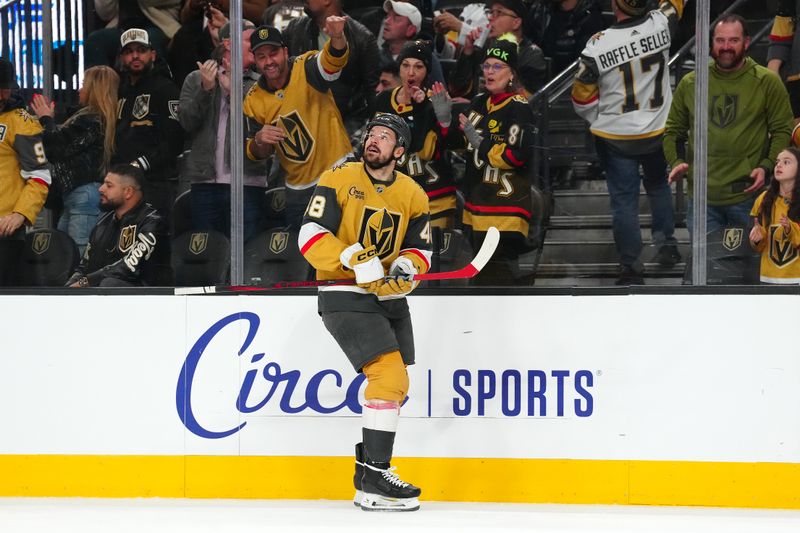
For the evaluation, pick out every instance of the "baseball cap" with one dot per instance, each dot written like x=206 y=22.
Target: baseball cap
x=134 y=35
x=409 y=10
x=266 y=35
x=517 y=6
x=225 y=30
x=8 y=79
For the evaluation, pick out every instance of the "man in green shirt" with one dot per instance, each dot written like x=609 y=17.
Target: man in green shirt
x=750 y=121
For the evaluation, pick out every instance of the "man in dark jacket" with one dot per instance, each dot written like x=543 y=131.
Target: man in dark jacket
x=354 y=90
x=561 y=28
x=148 y=133
x=124 y=241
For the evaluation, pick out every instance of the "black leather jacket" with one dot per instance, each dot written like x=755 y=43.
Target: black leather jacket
x=354 y=91
x=121 y=249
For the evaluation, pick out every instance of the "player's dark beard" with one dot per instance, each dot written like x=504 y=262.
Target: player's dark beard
x=379 y=163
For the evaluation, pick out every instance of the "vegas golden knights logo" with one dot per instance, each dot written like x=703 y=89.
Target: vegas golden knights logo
x=723 y=109
x=781 y=251
x=278 y=242
x=41 y=242
x=446 y=236
x=379 y=227
x=141 y=106
x=198 y=243
x=298 y=143
x=126 y=237
x=732 y=238
x=278 y=200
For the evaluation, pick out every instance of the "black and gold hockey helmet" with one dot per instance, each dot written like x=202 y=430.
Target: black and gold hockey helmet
x=394 y=123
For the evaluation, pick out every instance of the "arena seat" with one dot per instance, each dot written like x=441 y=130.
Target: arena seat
x=182 y=213
x=730 y=259
x=200 y=258
x=451 y=251
x=49 y=258
x=274 y=205
x=273 y=256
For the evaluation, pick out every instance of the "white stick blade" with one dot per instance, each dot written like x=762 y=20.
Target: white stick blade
x=487 y=248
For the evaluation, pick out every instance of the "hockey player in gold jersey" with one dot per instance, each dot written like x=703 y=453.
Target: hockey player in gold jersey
x=366 y=220
x=291 y=108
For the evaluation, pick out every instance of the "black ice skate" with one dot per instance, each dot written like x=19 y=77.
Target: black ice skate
x=359 y=474
x=384 y=491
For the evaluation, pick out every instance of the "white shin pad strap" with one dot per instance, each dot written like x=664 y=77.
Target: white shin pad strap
x=381 y=415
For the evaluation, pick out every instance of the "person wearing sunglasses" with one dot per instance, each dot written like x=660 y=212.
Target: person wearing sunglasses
x=498 y=131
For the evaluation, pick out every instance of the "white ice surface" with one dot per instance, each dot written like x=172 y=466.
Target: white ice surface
x=66 y=515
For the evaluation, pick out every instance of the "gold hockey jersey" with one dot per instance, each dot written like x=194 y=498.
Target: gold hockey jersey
x=24 y=176
x=349 y=207
x=316 y=139
x=779 y=252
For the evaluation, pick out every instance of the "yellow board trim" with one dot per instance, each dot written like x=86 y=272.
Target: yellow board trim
x=758 y=485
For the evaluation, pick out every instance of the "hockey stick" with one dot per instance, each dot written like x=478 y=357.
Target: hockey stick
x=471 y=270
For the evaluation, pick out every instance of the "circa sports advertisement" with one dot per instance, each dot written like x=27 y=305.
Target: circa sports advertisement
x=598 y=377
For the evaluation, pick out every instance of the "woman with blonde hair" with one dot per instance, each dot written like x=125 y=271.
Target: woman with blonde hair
x=79 y=150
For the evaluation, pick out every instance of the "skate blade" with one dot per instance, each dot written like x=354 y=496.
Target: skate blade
x=374 y=502
x=357 y=498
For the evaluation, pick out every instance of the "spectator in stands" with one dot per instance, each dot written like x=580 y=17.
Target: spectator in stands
x=423 y=159
x=148 y=134
x=505 y=17
x=123 y=244
x=627 y=116
x=24 y=176
x=750 y=122
x=776 y=223
x=160 y=18
x=498 y=131
x=281 y=13
x=204 y=114
x=291 y=108
x=783 y=55
x=402 y=24
x=79 y=150
x=561 y=28
x=452 y=30
x=196 y=39
x=389 y=77
x=353 y=91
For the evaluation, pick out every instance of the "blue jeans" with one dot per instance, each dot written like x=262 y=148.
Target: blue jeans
x=81 y=209
x=623 y=178
x=722 y=216
x=211 y=208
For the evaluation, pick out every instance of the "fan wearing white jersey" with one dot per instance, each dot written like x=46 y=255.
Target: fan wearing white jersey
x=622 y=88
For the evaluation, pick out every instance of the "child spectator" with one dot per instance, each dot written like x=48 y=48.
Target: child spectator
x=776 y=232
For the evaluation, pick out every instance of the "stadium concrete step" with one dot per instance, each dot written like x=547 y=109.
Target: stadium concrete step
x=579 y=248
